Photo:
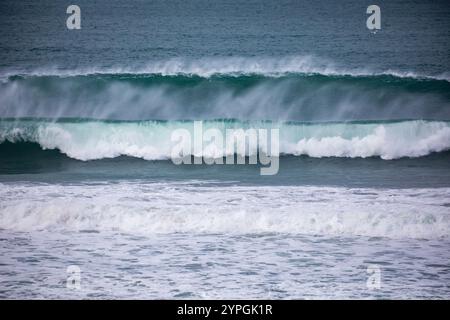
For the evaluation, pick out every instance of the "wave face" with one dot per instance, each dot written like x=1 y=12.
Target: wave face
x=151 y=140
x=278 y=92
x=139 y=208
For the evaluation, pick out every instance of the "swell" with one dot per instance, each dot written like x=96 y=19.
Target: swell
x=152 y=140
x=286 y=96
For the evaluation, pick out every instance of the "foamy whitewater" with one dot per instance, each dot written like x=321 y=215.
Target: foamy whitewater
x=146 y=209
x=152 y=140
x=86 y=124
x=200 y=234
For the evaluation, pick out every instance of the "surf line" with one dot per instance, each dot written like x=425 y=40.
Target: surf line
x=210 y=147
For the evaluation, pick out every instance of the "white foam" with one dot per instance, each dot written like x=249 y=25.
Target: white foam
x=385 y=141
x=152 y=140
x=145 y=208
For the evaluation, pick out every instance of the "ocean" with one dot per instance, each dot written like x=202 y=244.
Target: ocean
x=359 y=207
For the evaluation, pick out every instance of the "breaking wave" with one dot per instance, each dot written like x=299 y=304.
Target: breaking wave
x=152 y=140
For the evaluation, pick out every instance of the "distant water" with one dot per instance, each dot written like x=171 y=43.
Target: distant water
x=85 y=173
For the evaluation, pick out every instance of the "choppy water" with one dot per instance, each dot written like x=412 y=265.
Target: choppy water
x=260 y=266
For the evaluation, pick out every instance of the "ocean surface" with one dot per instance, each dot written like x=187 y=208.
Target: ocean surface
x=86 y=177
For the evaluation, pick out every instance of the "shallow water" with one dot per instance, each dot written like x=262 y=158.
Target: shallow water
x=183 y=240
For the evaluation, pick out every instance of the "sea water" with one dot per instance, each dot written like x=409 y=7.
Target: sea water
x=86 y=178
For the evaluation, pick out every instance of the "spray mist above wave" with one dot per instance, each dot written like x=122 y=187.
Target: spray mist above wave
x=152 y=140
x=291 y=97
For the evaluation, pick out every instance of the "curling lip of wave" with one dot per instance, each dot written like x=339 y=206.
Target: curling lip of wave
x=207 y=67
x=151 y=140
